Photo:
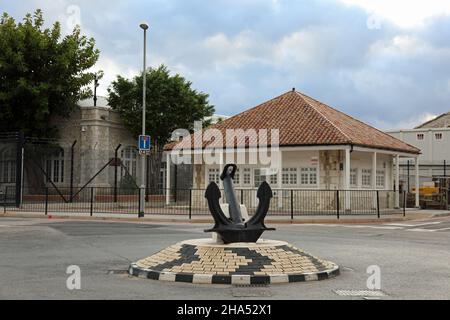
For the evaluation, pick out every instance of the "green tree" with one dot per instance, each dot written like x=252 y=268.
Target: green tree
x=171 y=104
x=41 y=73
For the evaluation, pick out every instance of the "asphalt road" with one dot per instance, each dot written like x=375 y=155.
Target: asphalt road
x=414 y=259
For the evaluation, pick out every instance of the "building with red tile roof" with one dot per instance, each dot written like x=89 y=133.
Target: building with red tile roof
x=319 y=148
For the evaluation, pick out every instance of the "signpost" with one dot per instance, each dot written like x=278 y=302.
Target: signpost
x=144 y=144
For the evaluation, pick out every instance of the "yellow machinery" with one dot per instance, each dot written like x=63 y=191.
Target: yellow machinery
x=426 y=191
x=436 y=194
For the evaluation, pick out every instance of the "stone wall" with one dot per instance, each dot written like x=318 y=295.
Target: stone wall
x=330 y=173
x=98 y=132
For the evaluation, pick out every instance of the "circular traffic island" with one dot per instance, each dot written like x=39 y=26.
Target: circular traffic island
x=204 y=261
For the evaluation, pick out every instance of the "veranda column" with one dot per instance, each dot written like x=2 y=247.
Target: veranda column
x=279 y=179
x=417 y=183
x=374 y=177
x=347 y=179
x=397 y=181
x=168 y=178
x=221 y=167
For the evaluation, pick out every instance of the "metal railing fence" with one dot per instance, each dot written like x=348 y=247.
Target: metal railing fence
x=191 y=202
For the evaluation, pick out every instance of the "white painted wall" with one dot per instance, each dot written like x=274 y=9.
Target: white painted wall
x=434 y=151
x=312 y=159
x=363 y=160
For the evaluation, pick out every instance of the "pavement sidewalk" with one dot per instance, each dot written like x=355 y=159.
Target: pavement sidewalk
x=411 y=214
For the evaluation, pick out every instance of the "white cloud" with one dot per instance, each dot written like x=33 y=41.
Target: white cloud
x=305 y=49
x=235 y=51
x=111 y=69
x=400 y=44
x=404 y=13
x=408 y=123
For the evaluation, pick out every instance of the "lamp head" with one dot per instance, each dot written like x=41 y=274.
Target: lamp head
x=144 y=25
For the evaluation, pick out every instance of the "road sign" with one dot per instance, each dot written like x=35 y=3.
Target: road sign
x=144 y=143
x=144 y=152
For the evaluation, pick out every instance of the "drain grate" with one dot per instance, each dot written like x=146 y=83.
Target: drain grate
x=117 y=271
x=259 y=285
x=250 y=290
x=360 y=293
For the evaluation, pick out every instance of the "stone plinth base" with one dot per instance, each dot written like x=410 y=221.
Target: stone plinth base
x=204 y=261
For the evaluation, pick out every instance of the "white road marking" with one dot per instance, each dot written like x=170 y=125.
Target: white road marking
x=421 y=230
x=429 y=230
x=414 y=225
x=374 y=227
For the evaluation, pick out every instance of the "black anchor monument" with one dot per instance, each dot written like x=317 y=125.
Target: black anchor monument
x=235 y=229
x=241 y=258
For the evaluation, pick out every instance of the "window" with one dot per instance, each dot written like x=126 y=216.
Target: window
x=420 y=136
x=366 y=177
x=237 y=178
x=354 y=177
x=8 y=166
x=213 y=175
x=128 y=156
x=258 y=177
x=285 y=176
x=246 y=177
x=380 y=179
x=438 y=136
x=304 y=176
x=312 y=176
x=308 y=176
x=162 y=176
x=261 y=175
x=289 y=176
x=55 y=167
x=273 y=179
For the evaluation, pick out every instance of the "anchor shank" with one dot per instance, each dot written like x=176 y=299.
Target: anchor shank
x=233 y=205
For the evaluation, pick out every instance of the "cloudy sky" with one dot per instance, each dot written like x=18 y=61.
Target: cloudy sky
x=386 y=62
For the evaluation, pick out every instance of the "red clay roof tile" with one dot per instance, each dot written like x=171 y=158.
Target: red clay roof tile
x=302 y=121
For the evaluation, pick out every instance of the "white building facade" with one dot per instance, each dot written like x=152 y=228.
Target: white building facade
x=433 y=139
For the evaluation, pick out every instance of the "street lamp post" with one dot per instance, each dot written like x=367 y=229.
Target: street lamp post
x=144 y=26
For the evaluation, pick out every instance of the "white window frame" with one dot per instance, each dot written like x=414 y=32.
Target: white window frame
x=354 y=177
x=261 y=175
x=237 y=178
x=289 y=176
x=213 y=175
x=314 y=173
x=246 y=173
x=162 y=176
x=8 y=166
x=55 y=167
x=438 y=136
x=420 y=136
x=309 y=173
x=381 y=179
x=128 y=158
x=273 y=179
x=366 y=173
